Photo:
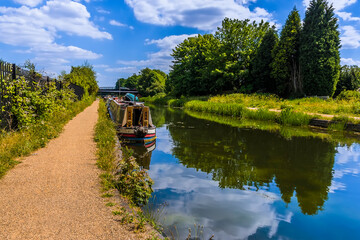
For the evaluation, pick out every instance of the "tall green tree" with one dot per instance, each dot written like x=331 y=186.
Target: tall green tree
x=151 y=82
x=191 y=73
x=239 y=41
x=261 y=66
x=84 y=76
x=349 y=79
x=319 y=49
x=286 y=68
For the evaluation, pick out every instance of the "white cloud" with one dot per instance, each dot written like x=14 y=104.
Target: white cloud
x=346 y=16
x=38 y=28
x=30 y=3
x=116 y=23
x=350 y=37
x=350 y=61
x=119 y=24
x=203 y=15
x=102 y=11
x=122 y=70
x=161 y=59
x=338 y=4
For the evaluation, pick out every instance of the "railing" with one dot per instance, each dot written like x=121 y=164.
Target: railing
x=10 y=72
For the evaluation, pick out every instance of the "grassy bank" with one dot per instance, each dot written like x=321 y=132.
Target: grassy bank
x=294 y=112
x=20 y=143
x=121 y=174
x=163 y=100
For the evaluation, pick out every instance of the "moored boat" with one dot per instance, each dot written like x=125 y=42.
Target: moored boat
x=133 y=119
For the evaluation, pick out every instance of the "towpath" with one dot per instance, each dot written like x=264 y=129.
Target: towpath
x=55 y=192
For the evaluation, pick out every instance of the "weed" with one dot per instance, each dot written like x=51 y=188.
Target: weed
x=110 y=204
x=107 y=195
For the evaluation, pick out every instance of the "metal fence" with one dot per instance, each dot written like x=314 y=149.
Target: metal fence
x=10 y=72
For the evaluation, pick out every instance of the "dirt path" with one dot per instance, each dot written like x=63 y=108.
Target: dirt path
x=54 y=193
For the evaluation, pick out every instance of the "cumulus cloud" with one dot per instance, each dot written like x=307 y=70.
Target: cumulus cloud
x=203 y=15
x=350 y=61
x=38 y=28
x=350 y=37
x=30 y=3
x=338 y=4
x=160 y=59
x=347 y=16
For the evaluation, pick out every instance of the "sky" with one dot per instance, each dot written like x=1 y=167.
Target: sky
x=121 y=37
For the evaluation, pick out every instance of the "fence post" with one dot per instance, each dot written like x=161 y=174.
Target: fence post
x=13 y=72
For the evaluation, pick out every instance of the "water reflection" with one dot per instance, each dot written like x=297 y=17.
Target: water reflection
x=142 y=153
x=246 y=183
x=238 y=158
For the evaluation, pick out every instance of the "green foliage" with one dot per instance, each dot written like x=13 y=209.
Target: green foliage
x=130 y=82
x=349 y=79
x=349 y=96
x=261 y=66
x=319 y=50
x=229 y=109
x=85 y=77
x=27 y=105
x=193 y=72
x=126 y=175
x=15 y=144
x=289 y=117
x=151 y=82
x=286 y=69
x=105 y=138
x=239 y=42
x=133 y=182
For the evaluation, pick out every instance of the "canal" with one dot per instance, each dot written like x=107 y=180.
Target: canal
x=245 y=183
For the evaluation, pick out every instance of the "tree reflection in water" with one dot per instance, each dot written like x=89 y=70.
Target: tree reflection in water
x=248 y=158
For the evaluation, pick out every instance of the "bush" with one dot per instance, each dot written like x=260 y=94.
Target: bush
x=349 y=96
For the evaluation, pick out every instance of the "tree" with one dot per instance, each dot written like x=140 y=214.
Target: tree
x=261 y=66
x=84 y=76
x=319 y=49
x=286 y=68
x=130 y=82
x=239 y=40
x=349 y=79
x=151 y=82
x=193 y=65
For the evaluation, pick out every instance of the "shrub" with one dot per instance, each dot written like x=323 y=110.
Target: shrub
x=349 y=95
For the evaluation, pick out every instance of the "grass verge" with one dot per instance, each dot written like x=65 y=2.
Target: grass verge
x=21 y=143
x=121 y=173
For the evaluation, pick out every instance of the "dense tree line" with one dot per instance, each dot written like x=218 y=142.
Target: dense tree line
x=148 y=82
x=244 y=56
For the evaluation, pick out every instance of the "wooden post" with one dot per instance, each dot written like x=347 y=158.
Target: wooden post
x=13 y=71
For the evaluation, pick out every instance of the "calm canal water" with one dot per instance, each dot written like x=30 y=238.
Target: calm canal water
x=242 y=183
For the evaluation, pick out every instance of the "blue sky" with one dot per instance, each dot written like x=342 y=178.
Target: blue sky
x=120 y=37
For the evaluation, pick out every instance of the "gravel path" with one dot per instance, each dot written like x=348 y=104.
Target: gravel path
x=55 y=192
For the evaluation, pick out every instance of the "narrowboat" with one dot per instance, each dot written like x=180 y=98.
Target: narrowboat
x=133 y=119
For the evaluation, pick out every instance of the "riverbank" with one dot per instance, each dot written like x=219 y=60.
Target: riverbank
x=125 y=187
x=341 y=113
x=21 y=143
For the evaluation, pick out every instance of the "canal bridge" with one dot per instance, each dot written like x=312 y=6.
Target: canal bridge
x=104 y=91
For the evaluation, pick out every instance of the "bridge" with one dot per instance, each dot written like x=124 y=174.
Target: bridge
x=103 y=91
